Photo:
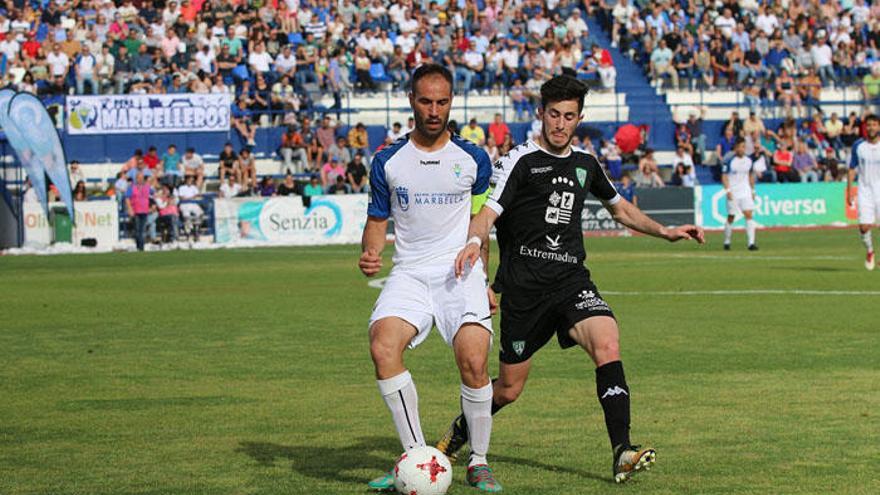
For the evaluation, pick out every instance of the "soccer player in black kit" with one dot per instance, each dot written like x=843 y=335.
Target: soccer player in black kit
x=536 y=206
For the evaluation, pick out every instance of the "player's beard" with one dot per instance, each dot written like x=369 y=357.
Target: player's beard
x=422 y=126
x=558 y=150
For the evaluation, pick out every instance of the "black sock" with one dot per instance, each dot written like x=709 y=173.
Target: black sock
x=462 y=424
x=614 y=397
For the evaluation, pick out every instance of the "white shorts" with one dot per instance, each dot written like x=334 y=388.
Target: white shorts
x=869 y=206
x=433 y=296
x=740 y=203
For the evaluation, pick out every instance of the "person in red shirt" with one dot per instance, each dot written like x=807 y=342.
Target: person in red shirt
x=782 y=159
x=498 y=129
x=31 y=47
x=151 y=159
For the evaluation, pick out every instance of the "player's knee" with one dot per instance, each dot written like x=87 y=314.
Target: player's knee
x=607 y=351
x=474 y=370
x=384 y=353
x=506 y=394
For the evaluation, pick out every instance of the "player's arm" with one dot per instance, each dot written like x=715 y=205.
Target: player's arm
x=851 y=174
x=480 y=191
x=752 y=179
x=378 y=211
x=478 y=241
x=725 y=181
x=631 y=216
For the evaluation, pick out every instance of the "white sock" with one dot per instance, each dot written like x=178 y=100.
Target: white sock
x=400 y=395
x=476 y=404
x=728 y=232
x=867 y=241
x=750 y=231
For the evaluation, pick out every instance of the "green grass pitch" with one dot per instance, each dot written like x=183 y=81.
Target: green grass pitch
x=248 y=372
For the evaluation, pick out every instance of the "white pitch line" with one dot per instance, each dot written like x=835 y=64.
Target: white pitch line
x=746 y=292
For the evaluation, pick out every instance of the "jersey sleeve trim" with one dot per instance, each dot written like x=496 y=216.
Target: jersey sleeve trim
x=613 y=201
x=854 y=155
x=380 y=193
x=502 y=171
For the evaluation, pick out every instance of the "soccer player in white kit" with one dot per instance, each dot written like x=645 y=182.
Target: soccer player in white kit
x=428 y=182
x=738 y=177
x=865 y=162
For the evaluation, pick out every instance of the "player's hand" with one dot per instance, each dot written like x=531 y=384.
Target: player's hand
x=686 y=232
x=370 y=262
x=469 y=255
x=851 y=197
x=493 y=301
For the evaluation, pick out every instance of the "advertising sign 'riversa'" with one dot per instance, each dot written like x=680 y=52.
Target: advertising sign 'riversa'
x=780 y=205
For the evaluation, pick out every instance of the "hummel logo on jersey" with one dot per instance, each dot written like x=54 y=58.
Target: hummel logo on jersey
x=402 y=197
x=519 y=346
x=429 y=162
x=553 y=243
x=614 y=391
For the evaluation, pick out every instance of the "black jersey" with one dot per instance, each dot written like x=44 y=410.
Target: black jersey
x=540 y=199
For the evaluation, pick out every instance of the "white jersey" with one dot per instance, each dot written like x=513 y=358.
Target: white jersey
x=429 y=197
x=866 y=158
x=738 y=169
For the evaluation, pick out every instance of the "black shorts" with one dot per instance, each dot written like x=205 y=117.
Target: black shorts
x=528 y=321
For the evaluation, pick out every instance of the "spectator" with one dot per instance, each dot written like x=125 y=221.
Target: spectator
x=230 y=189
x=661 y=65
x=698 y=139
x=734 y=123
x=228 y=164
x=292 y=146
x=193 y=166
x=79 y=191
x=829 y=169
x=683 y=157
x=613 y=161
x=288 y=187
x=833 y=131
x=627 y=189
x=170 y=168
x=339 y=186
x=169 y=214
x=810 y=90
x=649 y=171
x=314 y=151
x=753 y=124
x=871 y=85
x=681 y=176
x=313 y=188
x=822 y=61
x=787 y=93
x=724 y=148
x=76 y=173
x=137 y=204
x=248 y=168
x=782 y=165
x=474 y=133
x=498 y=129
x=188 y=195
x=340 y=150
x=396 y=132
x=330 y=171
x=242 y=121
x=804 y=164
x=359 y=140
x=267 y=187
x=85 y=67
x=326 y=134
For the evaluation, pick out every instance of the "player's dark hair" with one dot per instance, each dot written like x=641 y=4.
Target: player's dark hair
x=563 y=88
x=426 y=70
x=739 y=141
x=872 y=116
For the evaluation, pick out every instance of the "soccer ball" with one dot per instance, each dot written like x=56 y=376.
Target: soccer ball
x=422 y=471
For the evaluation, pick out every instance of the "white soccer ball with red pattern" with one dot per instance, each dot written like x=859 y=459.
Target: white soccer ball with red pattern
x=423 y=471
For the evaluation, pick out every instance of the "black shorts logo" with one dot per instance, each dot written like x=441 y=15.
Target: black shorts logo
x=591 y=302
x=518 y=346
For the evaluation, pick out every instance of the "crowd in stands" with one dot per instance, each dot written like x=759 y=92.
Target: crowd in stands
x=276 y=56
x=787 y=50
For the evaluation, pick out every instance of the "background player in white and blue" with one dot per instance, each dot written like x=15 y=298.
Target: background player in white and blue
x=738 y=177
x=865 y=161
x=427 y=182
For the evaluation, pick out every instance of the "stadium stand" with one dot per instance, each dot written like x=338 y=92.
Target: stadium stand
x=651 y=63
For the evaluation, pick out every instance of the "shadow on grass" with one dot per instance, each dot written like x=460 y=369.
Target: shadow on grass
x=328 y=463
x=370 y=453
x=534 y=464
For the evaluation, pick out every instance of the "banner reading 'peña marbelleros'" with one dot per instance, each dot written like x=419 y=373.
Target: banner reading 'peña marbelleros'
x=136 y=114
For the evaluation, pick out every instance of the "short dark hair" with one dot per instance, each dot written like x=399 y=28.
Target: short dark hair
x=427 y=70
x=739 y=141
x=872 y=116
x=563 y=88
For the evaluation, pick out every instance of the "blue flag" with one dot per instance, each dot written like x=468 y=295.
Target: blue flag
x=42 y=142
x=15 y=134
